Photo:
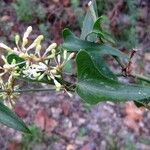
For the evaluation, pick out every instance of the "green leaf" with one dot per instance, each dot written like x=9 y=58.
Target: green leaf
x=94 y=87
x=102 y=34
x=74 y=44
x=88 y=22
x=68 y=67
x=10 y=119
x=15 y=57
x=96 y=51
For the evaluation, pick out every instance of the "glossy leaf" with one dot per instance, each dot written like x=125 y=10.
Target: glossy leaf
x=96 y=51
x=10 y=119
x=88 y=22
x=15 y=57
x=74 y=44
x=94 y=87
x=102 y=34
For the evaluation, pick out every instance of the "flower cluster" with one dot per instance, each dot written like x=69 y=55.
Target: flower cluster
x=38 y=63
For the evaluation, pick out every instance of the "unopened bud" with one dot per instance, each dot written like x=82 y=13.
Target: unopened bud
x=2 y=45
x=17 y=38
x=65 y=54
x=52 y=46
x=57 y=84
x=90 y=3
x=24 y=42
x=38 y=48
x=36 y=42
x=54 y=71
x=58 y=58
x=27 y=32
x=70 y=56
x=41 y=77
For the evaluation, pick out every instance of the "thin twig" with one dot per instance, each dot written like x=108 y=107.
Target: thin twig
x=31 y=90
x=137 y=76
x=141 y=77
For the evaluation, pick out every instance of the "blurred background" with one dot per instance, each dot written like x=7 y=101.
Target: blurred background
x=62 y=123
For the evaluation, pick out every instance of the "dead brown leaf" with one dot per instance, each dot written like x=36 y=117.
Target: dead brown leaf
x=20 y=111
x=133 y=116
x=70 y=147
x=147 y=56
x=43 y=121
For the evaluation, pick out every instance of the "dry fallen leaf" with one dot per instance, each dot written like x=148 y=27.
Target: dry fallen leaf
x=13 y=146
x=86 y=147
x=66 y=107
x=147 y=56
x=43 y=121
x=133 y=112
x=133 y=116
x=20 y=111
x=70 y=147
x=5 y=18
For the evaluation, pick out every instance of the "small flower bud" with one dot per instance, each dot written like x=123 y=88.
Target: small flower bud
x=4 y=59
x=38 y=49
x=52 y=54
x=59 y=58
x=52 y=46
x=70 y=95
x=27 y=32
x=24 y=42
x=2 y=45
x=57 y=84
x=36 y=42
x=17 y=38
x=65 y=54
x=54 y=71
x=41 y=77
x=70 y=56
x=90 y=3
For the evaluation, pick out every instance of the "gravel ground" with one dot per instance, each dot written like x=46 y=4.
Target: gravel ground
x=78 y=126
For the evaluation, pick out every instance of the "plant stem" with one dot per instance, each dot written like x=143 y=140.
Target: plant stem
x=137 y=76
x=141 y=77
x=31 y=90
x=35 y=90
x=119 y=62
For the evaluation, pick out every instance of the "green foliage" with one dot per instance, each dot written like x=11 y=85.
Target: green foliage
x=12 y=57
x=44 y=30
x=97 y=51
x=102 y=6
x=79 y=13
x=103 y=35
x=99 y=85
x=75 y=3
x=40 y=11
x=10 y=119
x=126 y=36
x=37 y=137
x=88 y=22
x=26 y=10
x=30 y=140
x=93 y=87
x=82 y=132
